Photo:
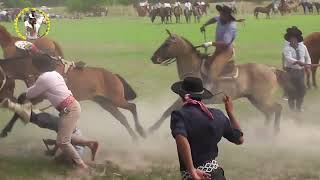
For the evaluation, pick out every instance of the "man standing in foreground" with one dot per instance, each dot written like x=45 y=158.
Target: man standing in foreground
x=198 y=130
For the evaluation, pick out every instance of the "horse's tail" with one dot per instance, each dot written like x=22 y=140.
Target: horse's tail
x=58 y=48
x=284 y=81
x=129 y=93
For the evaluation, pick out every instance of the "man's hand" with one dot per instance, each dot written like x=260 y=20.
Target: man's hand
x=207 y=44
x=200 y=175
x=203 y=29
x=228 y=104
x=299 y=63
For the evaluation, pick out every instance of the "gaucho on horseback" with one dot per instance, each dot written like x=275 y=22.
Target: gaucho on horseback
x=226 y=32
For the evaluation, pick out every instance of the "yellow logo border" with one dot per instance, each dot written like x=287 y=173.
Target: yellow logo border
x=25 y=10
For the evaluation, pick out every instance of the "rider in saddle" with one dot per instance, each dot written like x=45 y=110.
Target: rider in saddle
x=226 y=32
x=188 y=5
x=177 y=4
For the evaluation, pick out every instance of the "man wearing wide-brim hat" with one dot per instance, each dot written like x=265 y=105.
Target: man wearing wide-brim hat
x=198 y=130
x=295 y=59
x=226 y=32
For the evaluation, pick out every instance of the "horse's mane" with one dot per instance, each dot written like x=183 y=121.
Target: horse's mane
x=192 y=47
x=4 y=34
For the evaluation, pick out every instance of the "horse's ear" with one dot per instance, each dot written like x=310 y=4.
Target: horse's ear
x=169 y=32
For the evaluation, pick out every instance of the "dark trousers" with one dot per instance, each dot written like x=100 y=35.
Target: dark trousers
x=45 y=120
x=296 y=96
x=218 y=174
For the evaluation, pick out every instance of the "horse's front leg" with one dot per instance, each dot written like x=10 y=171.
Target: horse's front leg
x=165 y=115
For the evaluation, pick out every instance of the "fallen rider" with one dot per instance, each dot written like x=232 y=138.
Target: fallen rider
x=48 y=121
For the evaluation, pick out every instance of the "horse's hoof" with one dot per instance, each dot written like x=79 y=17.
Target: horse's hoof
x=141 y=132
x=3 y=135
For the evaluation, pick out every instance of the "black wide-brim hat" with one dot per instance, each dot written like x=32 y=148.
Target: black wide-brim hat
x=192 y=86
x=293 y=32
x=227 y=10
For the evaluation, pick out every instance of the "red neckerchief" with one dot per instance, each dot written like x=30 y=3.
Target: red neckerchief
x=189 y=100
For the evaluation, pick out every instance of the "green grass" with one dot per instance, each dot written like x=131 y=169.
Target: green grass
x=124 y=45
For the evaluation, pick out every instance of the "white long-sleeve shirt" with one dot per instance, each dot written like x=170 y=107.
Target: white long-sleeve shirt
x=52 y=86
x=290 y=55
x=188 y=5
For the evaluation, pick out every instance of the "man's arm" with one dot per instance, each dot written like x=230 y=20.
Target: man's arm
x=210 y=21
x=235 y=133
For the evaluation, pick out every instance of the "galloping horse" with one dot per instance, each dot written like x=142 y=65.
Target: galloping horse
x=164 y=13
x=187 y=14
x=177 y=11
x=267 y=10
x=109 y=90
x=256 y=82
x=312 y=42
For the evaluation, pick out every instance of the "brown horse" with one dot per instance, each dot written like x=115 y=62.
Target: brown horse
x=109 y=90
x=177 y=11
x=288 y=7
x=9 y=50
x=165 y=14
x=312 y=42
x=141 y=10
x=267 y=10
x=256 y=82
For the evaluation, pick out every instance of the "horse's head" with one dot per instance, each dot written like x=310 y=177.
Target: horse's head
x=168 y=50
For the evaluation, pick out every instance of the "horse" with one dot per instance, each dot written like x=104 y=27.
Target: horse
x=164 y=13
x=204 y=8
x=196 y=13
x=110 y=91
x=286 y=7
x=307 y=6
x=141 y=10
x=312 y=41
x=187 y=13
x=9 y=50
x=256 y=82
x=177 y=11
x=317 y=6
x=267 y=10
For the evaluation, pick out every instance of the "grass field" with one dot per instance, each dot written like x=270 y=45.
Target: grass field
x=124 y=45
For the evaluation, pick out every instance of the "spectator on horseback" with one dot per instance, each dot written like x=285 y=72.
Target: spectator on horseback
x=188 y=5
x=226 y=32
x=30 y=26
x=177 y=4
x=197 y=131
x=296 y=59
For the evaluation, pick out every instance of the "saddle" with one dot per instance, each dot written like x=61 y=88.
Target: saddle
x=68 y=65
x=229 y=71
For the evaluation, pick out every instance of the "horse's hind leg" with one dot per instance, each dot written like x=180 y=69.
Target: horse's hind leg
x=165 y=115
x=105 y=104
x=314 y=80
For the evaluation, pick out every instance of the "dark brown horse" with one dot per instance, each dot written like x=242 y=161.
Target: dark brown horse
x=267 y=10
x=177 y=11
x=164 y=13
x=312 y=42
x=109 y=90
x=256 y=82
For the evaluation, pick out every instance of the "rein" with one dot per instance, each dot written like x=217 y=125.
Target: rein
x=4 y=78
